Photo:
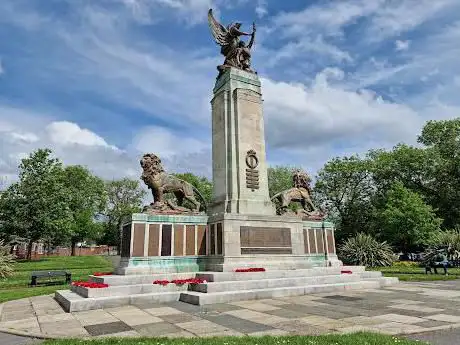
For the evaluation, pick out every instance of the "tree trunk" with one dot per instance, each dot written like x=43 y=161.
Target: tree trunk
x=72 y=247
x=29 y=250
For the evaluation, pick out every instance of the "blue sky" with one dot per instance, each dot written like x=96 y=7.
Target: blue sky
x=101 y=82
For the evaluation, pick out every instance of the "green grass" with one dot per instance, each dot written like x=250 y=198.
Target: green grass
x=349 y=339
x=417 y=273
x=16 y=286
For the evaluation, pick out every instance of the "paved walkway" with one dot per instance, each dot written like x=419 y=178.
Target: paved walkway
x=403 y=309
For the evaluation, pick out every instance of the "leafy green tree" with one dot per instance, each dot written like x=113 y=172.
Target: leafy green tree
x=201 y=183
x=6 y=261
x=406 y=221
x=124 y=197
x=279 y=178
x=36 y=206
x=442 y=141
x=87 y=198
x=345 y=189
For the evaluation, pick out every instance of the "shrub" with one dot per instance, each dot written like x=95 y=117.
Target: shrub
x=404 y=264
x=6 y=261
x=367 y=251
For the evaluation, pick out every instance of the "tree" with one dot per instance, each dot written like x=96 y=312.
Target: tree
x=124 y=197
x=406 y=221
x=36 y=207
x=345 y=189
x=201 y=183
x=87 y=198
x=442 y=141
x=279 y=178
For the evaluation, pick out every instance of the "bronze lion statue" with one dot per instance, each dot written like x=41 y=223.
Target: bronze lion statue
x=161 y=183
x=301 y=192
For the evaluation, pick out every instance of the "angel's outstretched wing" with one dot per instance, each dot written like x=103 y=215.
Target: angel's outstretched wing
x=219 y=32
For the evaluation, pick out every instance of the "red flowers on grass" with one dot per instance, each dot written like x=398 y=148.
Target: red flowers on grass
x=180 y=281
x=90 y=285
x=251 y=269
x=98 y=274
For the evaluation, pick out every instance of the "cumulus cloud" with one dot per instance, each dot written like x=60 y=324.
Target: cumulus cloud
x=402 y=45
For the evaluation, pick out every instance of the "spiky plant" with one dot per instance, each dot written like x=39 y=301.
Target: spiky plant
x=365 y=250
x=6 y=261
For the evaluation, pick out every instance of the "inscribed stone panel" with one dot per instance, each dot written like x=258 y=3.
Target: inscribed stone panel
x=138 y=239
x=178 y=239
x=311 y=237
x=190 y=240
x=330 y=242
x=166 y=233
x=201 y=239
x=251 y=236
x=219 y=239
x=126 y=241
x=320 y=241
x=154 y=239
x=212 y=239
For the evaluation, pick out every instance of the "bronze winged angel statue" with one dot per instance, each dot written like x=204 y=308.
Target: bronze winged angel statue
x=237 y=53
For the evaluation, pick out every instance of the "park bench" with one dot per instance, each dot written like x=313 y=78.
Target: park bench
x=50 y=274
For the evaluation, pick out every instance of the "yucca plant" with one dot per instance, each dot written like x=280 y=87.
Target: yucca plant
x=365 y=250
x=6 y=261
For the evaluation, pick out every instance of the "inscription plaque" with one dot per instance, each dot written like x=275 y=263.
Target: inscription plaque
x=126 y=241
x=252 y=175
x=265 y=240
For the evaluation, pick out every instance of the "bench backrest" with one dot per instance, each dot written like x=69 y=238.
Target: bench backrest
x=49 y=273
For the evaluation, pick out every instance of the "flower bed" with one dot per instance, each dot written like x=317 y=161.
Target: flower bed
x=98 y=274
x=90 y=285
x=180 y=281
x=251 y=269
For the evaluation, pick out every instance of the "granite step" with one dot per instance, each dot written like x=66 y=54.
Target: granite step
x=72 y=302
x=272 y=283
x=223 y=276
x=245 y=276
x=199 y=298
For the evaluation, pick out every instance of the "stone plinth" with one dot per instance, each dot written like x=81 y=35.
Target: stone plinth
x=238 y=146
x=164 y=243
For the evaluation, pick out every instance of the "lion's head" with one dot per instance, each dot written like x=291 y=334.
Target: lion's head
x=301 y=179
x=151 y=166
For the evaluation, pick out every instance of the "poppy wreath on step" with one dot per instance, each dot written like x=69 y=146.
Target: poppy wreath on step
x=98 y=274
x=90 y=285
x=180 y=281
x=251 y=269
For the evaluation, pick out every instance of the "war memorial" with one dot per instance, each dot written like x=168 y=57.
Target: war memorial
x=244 y=245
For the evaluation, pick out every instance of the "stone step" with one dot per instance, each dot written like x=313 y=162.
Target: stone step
x=244 y=276
x=114 y=280
x=127 y=290
x=273 y=283
x=72 y=302
x=222 y=276
x=199 y=298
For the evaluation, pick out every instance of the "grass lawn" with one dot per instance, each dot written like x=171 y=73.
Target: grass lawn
x=16 y=286
x=417 y=273
x=349 y=339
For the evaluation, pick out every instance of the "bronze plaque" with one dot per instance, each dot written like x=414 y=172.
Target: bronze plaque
x=305 y=241
x=138 y=240
x=320 y=241
x=287 y=250
x=178 y=239
x=190 y=240
x=154 y=239
x=201 y=239
x=311 y=237
x=126 y=241
x=330 y=241
x=166 y=234
x=212 y=240
x=252 y=236
x=219 y=239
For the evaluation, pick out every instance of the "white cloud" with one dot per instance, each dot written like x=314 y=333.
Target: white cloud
x=166 y=143
x=261 y=8
x=402 y=45
x=25 y=137
x=68 y=133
